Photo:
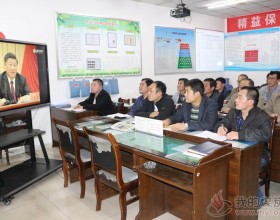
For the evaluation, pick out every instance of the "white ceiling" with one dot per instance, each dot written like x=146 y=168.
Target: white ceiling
x=199 y=6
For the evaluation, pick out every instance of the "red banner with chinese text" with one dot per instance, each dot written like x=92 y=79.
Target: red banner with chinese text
x=254 y=21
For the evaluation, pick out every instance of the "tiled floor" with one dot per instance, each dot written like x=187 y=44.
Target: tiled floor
x=48 y=199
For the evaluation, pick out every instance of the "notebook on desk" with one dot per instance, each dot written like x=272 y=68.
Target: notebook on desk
x=204 y=148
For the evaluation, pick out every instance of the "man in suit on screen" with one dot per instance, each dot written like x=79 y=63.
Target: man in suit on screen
x=13 y=86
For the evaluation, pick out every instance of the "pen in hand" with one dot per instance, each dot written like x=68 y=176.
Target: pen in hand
x=224 y=128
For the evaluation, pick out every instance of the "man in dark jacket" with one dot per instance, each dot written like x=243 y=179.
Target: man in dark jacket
x=158 y=105
x=98 y=100
x=248 y=122
x=198 y=111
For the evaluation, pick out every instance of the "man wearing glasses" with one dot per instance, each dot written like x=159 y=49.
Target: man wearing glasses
x=272 y=85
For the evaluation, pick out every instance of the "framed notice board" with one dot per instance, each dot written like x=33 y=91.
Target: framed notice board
x=253 y=50
x=95 y=46
x=209 y=50
x=174 y=50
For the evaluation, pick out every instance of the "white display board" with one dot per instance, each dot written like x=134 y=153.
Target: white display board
x=174 y=50
x=253 y=50
x=209 y=50
x=95 y=46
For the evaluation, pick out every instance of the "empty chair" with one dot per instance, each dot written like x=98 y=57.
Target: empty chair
x=71 y=153
x=108 y=171
x=264 y=174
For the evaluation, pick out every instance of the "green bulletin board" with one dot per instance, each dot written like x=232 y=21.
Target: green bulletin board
x=95 y=46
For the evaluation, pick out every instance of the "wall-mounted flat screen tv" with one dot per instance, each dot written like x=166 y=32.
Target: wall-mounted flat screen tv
x=24 y=78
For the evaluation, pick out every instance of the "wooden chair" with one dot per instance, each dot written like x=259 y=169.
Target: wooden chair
x=264 y=173
x=127 y=101
x=119 y=107
x=133 y=100
x=71 y=153
x=108 y=171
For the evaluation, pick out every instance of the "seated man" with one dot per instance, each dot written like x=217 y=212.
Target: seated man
x=235 y=90
x=211 y=92
x=272 y=87
x=231 y=102
x=247 y=122
x=221 y=87
x=272 y=107
x=198 y=111
x=13 y=85
x=159 y=105
x=143 y=90
x=98 y=100
x=179 y=96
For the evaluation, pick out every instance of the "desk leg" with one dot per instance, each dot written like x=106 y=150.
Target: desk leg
x=151 y=205
x=44 y=149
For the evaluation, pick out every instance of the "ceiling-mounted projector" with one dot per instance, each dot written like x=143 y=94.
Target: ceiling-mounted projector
x=180 y=11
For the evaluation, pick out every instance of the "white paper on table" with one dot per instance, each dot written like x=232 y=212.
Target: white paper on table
x=211 y=135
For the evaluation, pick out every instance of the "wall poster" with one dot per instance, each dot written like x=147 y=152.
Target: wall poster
x=174 y=50
x=95 y=46
x=209 y=50
x=253 y=50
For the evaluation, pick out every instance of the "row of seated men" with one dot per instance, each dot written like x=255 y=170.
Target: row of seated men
x=244 y=121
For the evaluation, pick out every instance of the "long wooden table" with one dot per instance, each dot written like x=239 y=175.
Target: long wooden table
x=181 y=185
x=180 y=188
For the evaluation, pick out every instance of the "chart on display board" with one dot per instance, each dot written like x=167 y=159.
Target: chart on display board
x=94 y=46
x=209 y=50
x=174 y=50
x=253 y=50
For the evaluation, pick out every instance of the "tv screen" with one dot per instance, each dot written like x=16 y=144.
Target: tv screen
x=24 y=79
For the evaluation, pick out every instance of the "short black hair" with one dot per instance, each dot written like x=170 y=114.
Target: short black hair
x=160 y=86
x=273 y=73
x=252 y=94
x=148 y=81
x=211 y=81
x=10 y=56
x=100 y=81
x=183 y=79
x=196 y=86
x=221 y=79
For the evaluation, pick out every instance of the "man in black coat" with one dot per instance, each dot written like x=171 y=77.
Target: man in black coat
x=159 y=105
x=247 y=122
x=98 y=100
x=12 y=84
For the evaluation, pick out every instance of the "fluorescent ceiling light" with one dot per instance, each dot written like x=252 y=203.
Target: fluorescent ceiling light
x=225 y=3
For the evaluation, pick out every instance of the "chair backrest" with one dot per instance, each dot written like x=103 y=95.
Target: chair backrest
x=133 y=100
x=119 y=107
x=127 y=101
x=273 y=124
x=105 y=153
x=68 y=138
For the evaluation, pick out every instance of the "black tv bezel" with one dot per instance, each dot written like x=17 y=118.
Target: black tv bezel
x=46 y=78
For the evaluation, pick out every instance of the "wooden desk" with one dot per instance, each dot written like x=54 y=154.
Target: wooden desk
x=242 y=180
x=275 y=163
x=243 y=177
x=179 y=184
x=66 y=115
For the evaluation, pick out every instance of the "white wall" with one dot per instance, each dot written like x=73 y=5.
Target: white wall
x=34 y=20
